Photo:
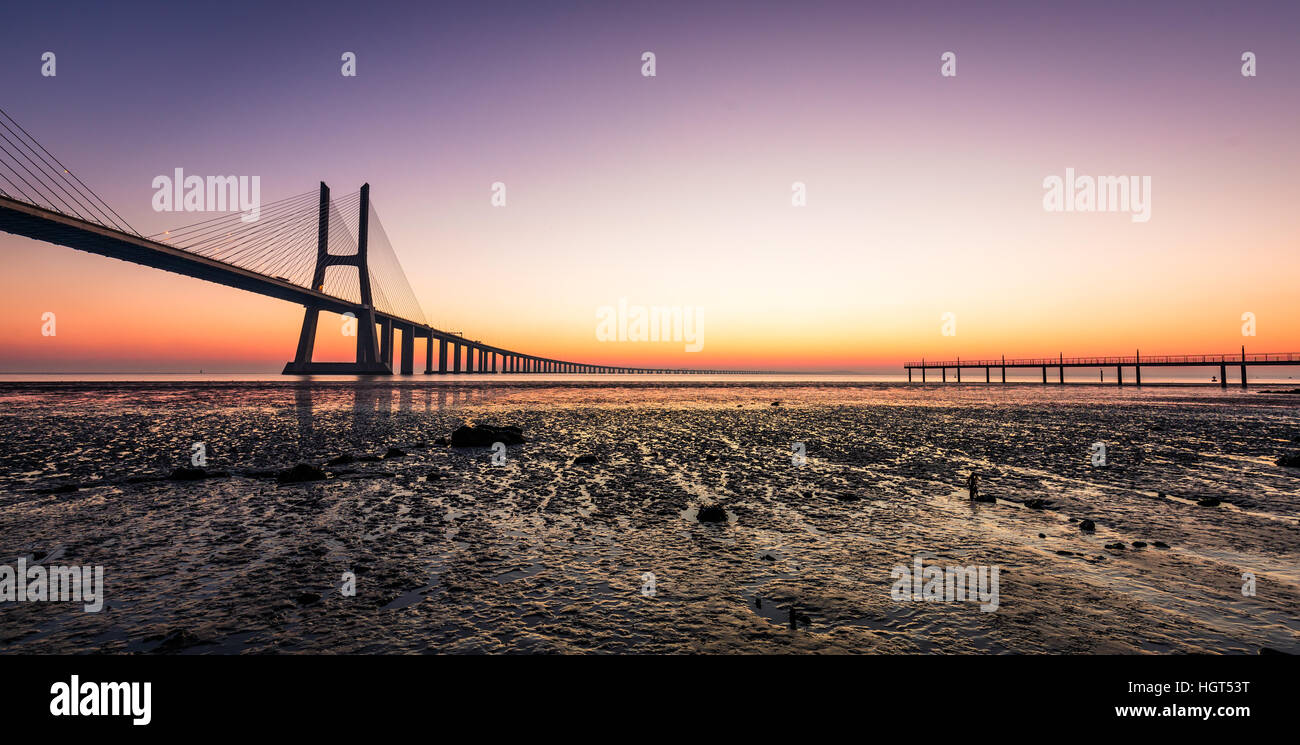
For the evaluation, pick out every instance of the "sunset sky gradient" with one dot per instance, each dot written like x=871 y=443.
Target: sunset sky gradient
x=924 y=192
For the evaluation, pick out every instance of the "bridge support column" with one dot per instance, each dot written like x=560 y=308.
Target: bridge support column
x=1243 y=366
x=1044 y=374
x=1119 y=375
x=386 y=341
x=442 y=356
x=455 y=360
x=1223 y=376
x=986 y=375
x=368 y=359
x=959 y=373
x=428 y=354
x=909 y=375
x=408 y=350
x=1004 y=374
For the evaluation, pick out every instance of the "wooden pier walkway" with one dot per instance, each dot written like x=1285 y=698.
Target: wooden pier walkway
x=1137 y=362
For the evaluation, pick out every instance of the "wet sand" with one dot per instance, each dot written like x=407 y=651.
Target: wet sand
x=453 y=553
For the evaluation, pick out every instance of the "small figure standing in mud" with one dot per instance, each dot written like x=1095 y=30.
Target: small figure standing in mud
x=973 y=486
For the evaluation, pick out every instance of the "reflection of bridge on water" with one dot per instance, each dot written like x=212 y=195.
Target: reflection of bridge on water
x=372 y=402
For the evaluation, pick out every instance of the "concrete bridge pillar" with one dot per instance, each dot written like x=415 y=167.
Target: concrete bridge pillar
x=1044 y=374
x=386 y=342
x=428 y=354
x=442 y=356
x=1119 y=375
x=1223 y=376
x=408 y=350
x=455 y=360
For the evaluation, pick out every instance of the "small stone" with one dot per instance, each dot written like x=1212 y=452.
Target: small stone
x=1209 y=502
x=1042 y=535
x=1116 y=546
x=340 y=460
x=1291 y=460
x=585 y=460
x=1139 y=544
x=1160 y=544
x=395 y=453
x=307 y=598
x=1036 y=504
x=1087 y=525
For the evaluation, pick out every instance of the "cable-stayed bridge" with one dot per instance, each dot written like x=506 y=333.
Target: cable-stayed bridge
x=323 y=253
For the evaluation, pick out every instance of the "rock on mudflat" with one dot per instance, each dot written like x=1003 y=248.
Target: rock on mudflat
x=1209 y=502
x=395 y=453
x=711 y=513
x=986 y=498
x=299 y=474
x=188 y=474
x=1036 y=504
x=484 y=435
x=585 y=460
x=1087 y=525
x=1291 y=460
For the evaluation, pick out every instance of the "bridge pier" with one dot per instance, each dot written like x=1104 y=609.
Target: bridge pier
x=986 y=374
x=408 y=350
x=442 y=356
x=1243 y=366
x=1223 y=376
x=1044 y=374
x=368 y=358
x=1119 y=375
x=455 y=360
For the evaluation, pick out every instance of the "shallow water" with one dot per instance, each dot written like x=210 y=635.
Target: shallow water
x=541 y=555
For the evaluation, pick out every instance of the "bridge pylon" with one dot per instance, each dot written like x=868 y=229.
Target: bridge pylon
x=369 y=360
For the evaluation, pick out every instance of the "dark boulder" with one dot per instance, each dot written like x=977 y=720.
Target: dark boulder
x=711 y=514
x=188 y=474
x=1087 y=525
x=395 y=453
x=484 y=435
x=585 y=460
x=1209 y=502
x=300 y=473
x=1291 y=460
x=1036 y=504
